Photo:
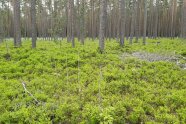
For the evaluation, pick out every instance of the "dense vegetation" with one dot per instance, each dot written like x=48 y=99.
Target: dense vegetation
x=80 y=85
x=124 y=72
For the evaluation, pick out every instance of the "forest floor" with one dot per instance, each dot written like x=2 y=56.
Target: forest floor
x=61 y=84
x=155 y=57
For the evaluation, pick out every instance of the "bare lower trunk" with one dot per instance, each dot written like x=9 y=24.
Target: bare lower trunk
x=1 y=29
x=73 y=25
x=17 y=26
x=132 y=23
x=137 y=14
x=145 y=22
x=78 y=20
x=82 y=21
x=102 y=25
x=156 y=19
x=69 y=21
x=122 y=12
x=33 y=21
x=184 y=19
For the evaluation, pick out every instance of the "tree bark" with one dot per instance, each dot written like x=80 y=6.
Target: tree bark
x=82 y=21
x=122 y=12
x=17 y=26
x=156 y=19
x=137 y=16
x=1 y=27
x=145 y=22
x=73 y=24
x=184 y=19
x=69 y=22
x=33 y=21
x=132 y=22
x=103 y=12
x=78 y=16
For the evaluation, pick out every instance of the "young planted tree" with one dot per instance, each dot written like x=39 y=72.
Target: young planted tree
x=122 y=12
x=103 y=11
x=17 y=23
x=33 y=21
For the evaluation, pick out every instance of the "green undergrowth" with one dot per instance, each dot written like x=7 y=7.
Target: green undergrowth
x=80 y=85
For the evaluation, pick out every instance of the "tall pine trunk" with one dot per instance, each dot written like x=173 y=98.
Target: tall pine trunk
x=78 y=20
x=17 y=26
x=103 y=12
x=156 y=19
x=1 y=28
x=69 y=22
x=33 y=21
x=82 y=21
x=137 y=14
x=145 y=22
x=73 y=22
x=122 y=12
x=184 y=19
x=132 y=22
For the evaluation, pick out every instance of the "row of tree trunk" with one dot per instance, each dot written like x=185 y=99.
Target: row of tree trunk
x=17 y=25
x=78 y=25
